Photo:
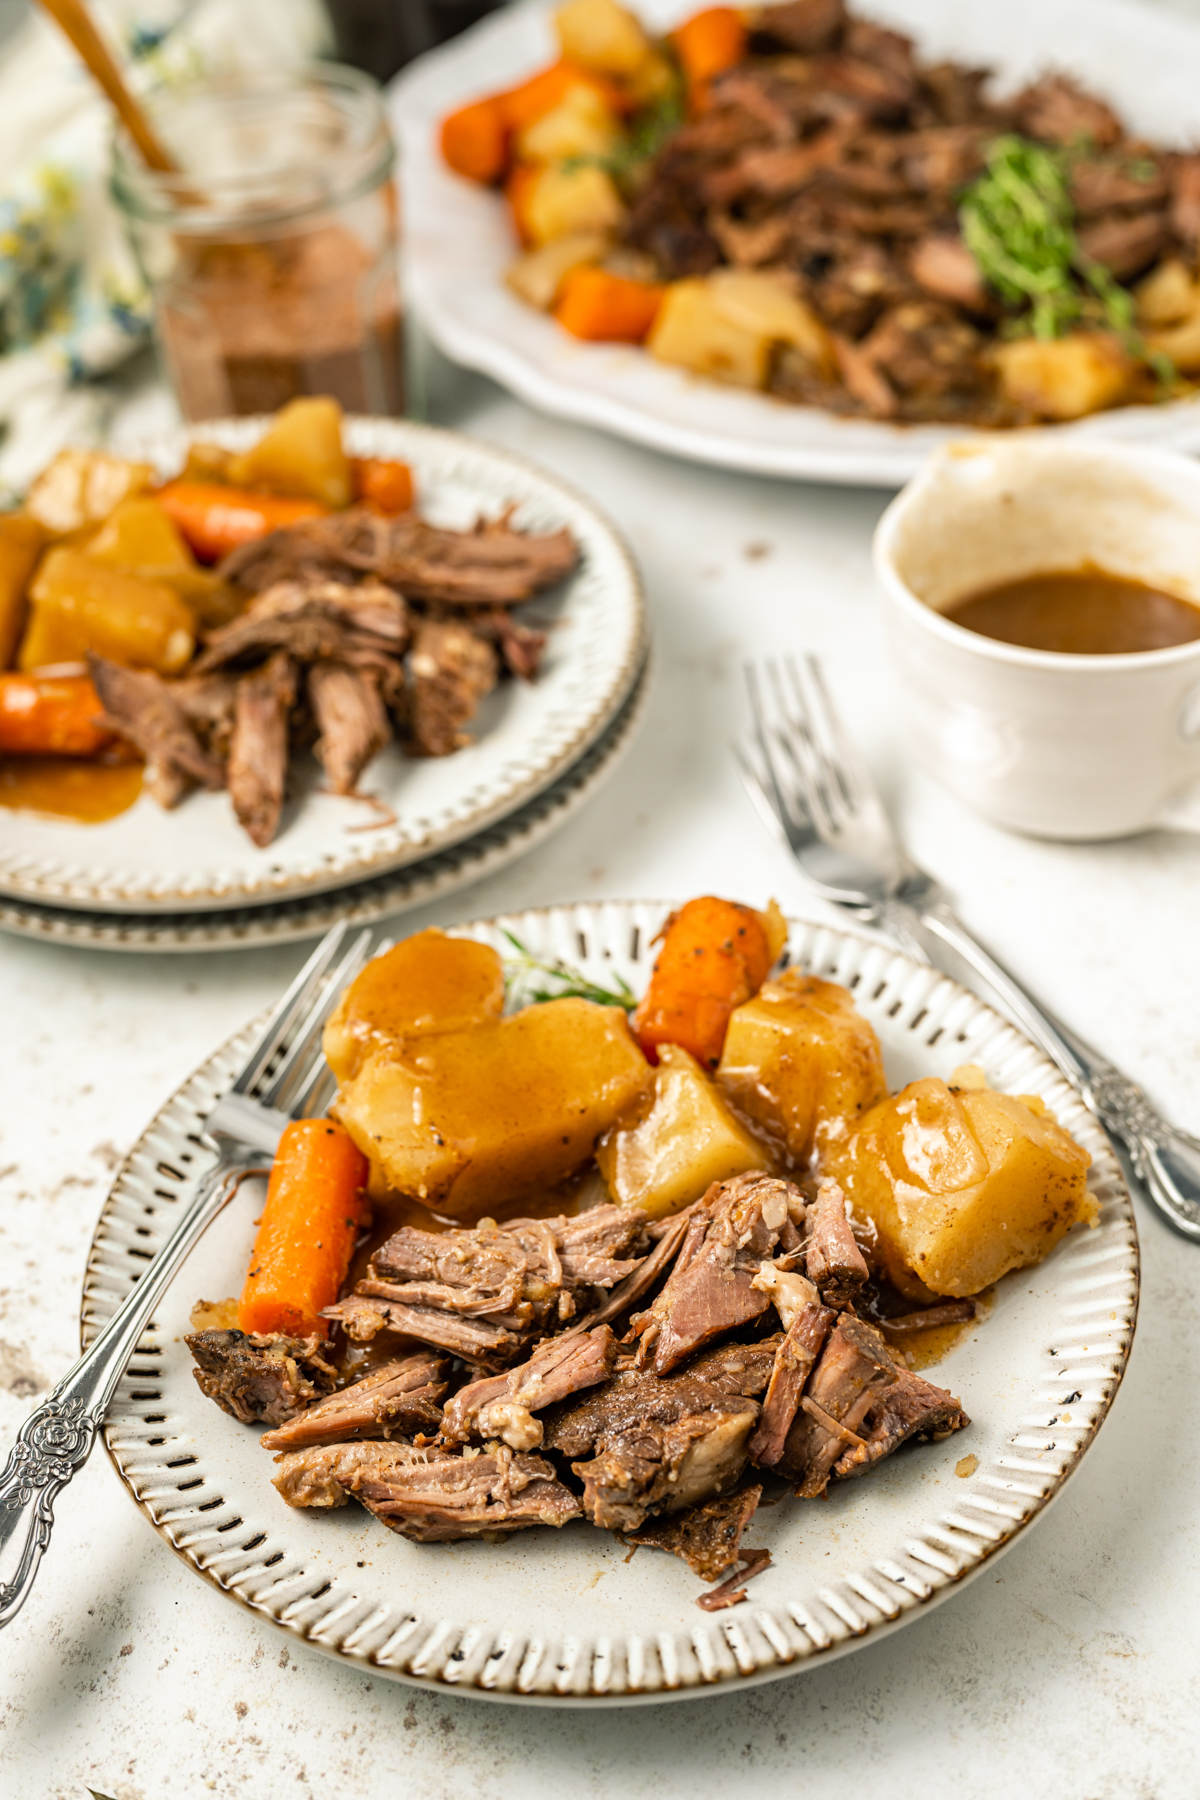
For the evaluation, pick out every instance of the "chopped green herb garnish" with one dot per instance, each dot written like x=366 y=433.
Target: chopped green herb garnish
x=522 y=969
x=1018 y=222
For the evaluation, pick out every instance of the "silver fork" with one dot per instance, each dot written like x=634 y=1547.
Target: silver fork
x=814 y=791
x=283 y=1078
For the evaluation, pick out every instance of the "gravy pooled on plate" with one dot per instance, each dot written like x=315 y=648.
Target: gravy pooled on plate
x=1078 y=612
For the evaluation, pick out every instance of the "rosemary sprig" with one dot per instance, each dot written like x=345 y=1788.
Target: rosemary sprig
x=569 y=983
x=1018 y=222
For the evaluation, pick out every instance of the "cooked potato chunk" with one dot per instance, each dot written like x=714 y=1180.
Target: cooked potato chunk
x=79 y=604
x=764 y=305
x=140 y=537
x=570 y=200
x=466 y=1120
x=600 y=35
x=582 y=124
x=538 y=275
x=1068 y=377
x=300 y=454
x=962 y=1186
x=21 y=540
x=427 y=983
x=694 y=331
x=81 y=487
x=802 y=1062
x=1167 y=295
x=686 y=1138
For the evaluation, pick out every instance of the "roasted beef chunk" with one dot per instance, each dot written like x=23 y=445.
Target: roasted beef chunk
x=461 y=1497
x=351 y=719
x=144 y=708
x=258 y=753
x=502 y=1406
x=451 y=669
x=260 y=1379
x=908 y=1408
x=655 y=1445
x=363 y=1318
x=794 y=1359
x=327 y=1475
x=490 y=1292
x=313 y=621
x=493 y=565
x=708 y=1537
x=400 y=1399
x=853 y=1367
x=738 y=1225
x=429 y=1495
x=834 y=1261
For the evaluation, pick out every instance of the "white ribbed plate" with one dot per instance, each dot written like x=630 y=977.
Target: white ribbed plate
x=458 y=241
x=527 y=734
x=562 y=1617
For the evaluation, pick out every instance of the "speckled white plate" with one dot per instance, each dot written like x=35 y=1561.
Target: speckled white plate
x=527 y=734
x=287 y=921
x=563 y=1617
x=459 y=242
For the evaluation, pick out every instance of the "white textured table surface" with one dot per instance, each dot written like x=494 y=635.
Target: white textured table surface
x=1069 y=1672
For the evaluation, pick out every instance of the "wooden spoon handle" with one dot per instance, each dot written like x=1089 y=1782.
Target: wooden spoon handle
x=73 y=19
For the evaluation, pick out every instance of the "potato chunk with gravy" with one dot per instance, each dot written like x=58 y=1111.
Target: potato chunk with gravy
x=467 y=1119
x=962 y=1185
x=425 y=984
x=685 y=1139
x=802 y=1062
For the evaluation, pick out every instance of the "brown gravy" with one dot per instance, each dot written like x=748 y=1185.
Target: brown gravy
x=62 y=787
x=1080 y=612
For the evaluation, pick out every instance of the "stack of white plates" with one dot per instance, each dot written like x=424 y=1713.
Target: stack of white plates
x=192 y=880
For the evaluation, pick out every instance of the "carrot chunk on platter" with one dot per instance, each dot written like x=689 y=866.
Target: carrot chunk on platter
x=475 y=140
x=708 y=43
x=385 y=486
x=307 y=1232
x=715 y=955
x=50 y=715
x=216 y=519
x=603 y=308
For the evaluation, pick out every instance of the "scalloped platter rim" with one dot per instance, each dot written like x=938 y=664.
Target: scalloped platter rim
x=527 y=734
x=1037 y=1377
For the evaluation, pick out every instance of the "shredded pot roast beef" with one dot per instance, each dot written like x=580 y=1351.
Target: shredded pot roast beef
x=834 y=159
x=356 y=630
x=506 y=1396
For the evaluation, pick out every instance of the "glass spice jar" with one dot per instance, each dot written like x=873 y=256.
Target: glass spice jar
x=272 y=255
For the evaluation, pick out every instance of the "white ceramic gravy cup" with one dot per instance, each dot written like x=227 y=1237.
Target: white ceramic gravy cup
x=1053 y=745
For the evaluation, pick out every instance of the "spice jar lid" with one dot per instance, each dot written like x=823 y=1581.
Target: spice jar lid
x=258 y=150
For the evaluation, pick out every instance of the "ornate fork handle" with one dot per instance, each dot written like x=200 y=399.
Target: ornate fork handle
x=57 y=1437
x=1165 y=1159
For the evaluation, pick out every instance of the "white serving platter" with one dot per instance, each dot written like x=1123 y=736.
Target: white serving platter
x=564 y=1618
x=197 y=859
x=459 y=241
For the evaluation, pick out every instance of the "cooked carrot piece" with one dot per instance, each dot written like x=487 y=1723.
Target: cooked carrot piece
x=709 y=42
x=307 y=1231
x=518 y=191
x=475 y=140
x=50 y=715
x=525 y=105
x=715 y=955
x=385 y=486
x=216 y=519
x=607 y=308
